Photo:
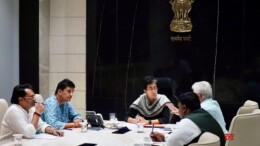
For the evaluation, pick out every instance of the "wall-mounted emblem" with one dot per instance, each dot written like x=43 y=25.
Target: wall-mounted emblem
x=181 y=21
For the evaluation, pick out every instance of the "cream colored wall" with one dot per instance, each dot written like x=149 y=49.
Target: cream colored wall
x=67 y=48
x=44 y=50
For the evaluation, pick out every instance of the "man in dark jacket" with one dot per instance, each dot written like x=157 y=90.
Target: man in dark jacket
x=195 y=121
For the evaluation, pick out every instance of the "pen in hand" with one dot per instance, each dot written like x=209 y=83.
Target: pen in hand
x=152 y=128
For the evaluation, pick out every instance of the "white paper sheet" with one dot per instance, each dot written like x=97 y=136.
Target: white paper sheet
x=44 y=136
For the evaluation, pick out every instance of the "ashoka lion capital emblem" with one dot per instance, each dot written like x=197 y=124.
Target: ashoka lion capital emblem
x=181 y=21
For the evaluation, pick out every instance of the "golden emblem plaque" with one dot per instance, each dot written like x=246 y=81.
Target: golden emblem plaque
x=181 y=21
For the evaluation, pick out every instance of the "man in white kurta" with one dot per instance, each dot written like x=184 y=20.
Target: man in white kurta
x=22 y=117
x=11 y=124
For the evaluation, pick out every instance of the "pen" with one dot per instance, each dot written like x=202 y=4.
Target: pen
x=152 y=128
x=68 y=129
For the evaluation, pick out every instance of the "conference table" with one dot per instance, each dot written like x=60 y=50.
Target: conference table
x=104 y=137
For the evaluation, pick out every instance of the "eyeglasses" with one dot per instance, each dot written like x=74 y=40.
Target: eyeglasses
x=31 y=97
x=152 y=88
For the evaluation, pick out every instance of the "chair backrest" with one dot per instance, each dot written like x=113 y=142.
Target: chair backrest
x=248 y=107
x=3 y=108
x=246 y=129
x=207 y=139
x=38 y=98
x=165 y=86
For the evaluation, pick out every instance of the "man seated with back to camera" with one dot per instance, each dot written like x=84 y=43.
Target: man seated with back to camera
x=204 y=92
x=150 y=107
x=59 y=109
x=23 y=117
x=195 y=121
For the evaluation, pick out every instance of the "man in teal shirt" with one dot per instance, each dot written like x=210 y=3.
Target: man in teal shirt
x=59 y=113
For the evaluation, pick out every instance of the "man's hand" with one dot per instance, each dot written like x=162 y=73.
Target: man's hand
x=156 y=136
x=175 y=112
x=53 y=131
x=77 y=123
x=40 y=108
x=57 y=132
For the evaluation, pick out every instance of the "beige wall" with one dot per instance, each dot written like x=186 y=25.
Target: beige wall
x=63 y=47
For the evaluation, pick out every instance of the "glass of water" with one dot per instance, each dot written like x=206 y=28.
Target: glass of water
x=84 y=126
x=112 y=117
x=18 y=139
x=140 y=127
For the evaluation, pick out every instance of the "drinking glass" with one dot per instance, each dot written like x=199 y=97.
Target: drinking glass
x=84 y=126
x=112 y=117
x=140 y=127
x=18 y=139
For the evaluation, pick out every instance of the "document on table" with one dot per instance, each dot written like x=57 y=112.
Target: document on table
x=155 y=125
x=159 y=144
x=149 y=141
x=45 y=136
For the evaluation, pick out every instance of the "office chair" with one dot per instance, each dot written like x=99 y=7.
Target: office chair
x=246 y=129
x=38 y=98
x=248 y=107
x=165 y=87
x=207 y=139
x=3 y=108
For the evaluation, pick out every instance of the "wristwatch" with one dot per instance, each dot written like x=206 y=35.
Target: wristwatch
x=38 y=114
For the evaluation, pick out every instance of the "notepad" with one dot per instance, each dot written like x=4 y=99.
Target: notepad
x=44 y=136
x=155 y=126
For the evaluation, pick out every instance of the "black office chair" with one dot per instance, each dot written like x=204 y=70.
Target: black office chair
x=165 y=87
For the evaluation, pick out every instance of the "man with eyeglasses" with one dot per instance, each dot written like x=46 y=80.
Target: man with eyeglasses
x=59 y=112
x=150 y=107
x=23 y=117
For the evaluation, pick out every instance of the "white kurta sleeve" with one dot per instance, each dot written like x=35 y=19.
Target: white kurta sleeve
x=19 y=122
x=41 y=124
x=185 y=132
